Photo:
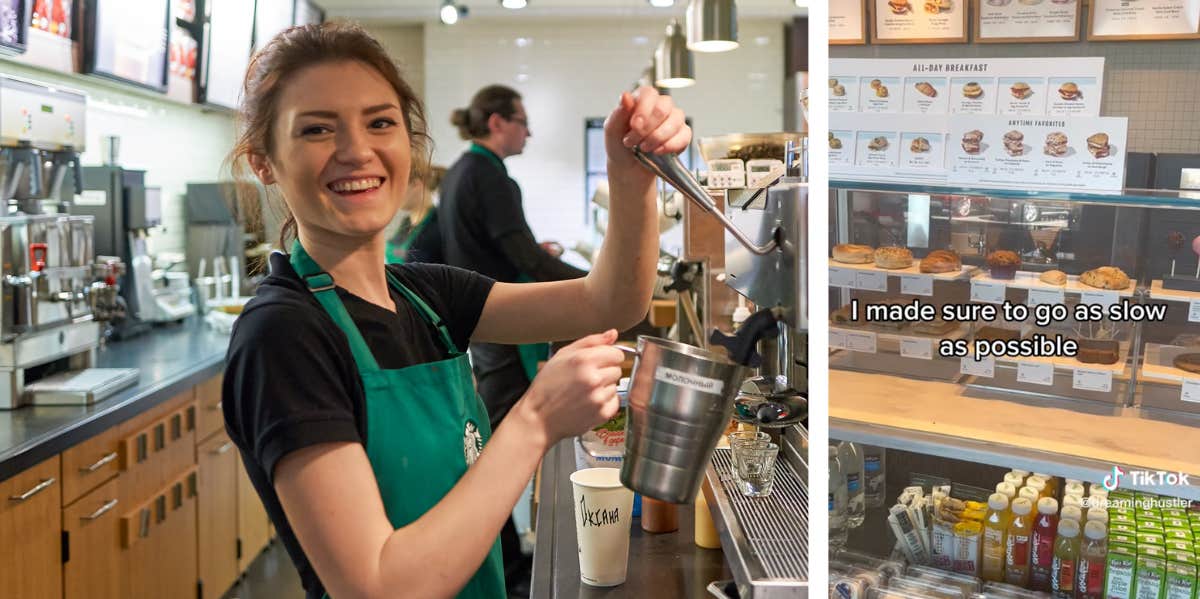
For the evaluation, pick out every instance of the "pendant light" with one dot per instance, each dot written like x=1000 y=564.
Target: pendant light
x=712 y=25
x=449 y=12
x=673 y=66
x=513 y=4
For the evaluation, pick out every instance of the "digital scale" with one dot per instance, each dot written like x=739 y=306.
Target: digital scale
x=726 y=173
x=761 y=172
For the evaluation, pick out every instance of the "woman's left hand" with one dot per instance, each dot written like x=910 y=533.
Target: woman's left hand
x=646 y=120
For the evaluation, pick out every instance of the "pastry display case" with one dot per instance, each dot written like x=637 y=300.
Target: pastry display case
x=1096 y=296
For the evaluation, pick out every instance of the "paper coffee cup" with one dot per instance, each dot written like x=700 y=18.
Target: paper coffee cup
x=603 y=512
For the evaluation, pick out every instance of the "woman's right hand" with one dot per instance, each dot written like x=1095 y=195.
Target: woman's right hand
x=576 y=390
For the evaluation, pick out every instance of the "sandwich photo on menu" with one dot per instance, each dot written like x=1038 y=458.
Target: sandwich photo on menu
x=1069 y=91
x=1020 y=90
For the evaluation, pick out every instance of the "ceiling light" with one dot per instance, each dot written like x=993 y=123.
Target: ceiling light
x=448 y=13
x=712 y=25
x=662 y=3
x=800 y=3
x=513 y=4
x=673 y=66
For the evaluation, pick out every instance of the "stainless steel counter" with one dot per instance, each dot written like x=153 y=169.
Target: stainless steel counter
x=665 y=565
x=171 y=359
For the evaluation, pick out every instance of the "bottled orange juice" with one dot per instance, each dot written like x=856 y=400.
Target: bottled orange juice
x=995 y=529
x=1016 y=544
x=1066 y=559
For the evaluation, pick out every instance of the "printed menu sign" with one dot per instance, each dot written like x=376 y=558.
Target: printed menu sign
x=1054 y=152
x=1144 y=19
x=1057 y=86
x=1027 y=21
x=847 y=22
x=920 y=21
x=888 y=147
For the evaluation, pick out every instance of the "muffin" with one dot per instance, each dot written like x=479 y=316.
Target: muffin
x=1003 y=264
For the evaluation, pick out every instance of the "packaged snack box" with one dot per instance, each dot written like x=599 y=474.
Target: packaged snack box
x=1152 y=551
x=1174 y=522
x=1149 y=577
x=1119 y=572
x=1179 y=534
x=1180 y=581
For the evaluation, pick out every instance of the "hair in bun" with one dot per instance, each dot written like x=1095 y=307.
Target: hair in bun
x=472 y=121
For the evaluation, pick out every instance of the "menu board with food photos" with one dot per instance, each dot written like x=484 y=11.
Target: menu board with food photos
x=998 y=21
x=14 y=25
x=270 y=18
x=888 y=147
x=1047 y=152
x=53 y=16
x=920 y=21
x=1007 y=86
x=847 y=22
x=127 y=40
x=1144 y=20
x=230 y=31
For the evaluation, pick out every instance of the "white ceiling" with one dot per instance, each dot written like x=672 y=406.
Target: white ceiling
x=426 y=10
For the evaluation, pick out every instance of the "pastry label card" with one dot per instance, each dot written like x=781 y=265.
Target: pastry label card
x=1194 y=311
x=843 y=94
x=916 y=347
x=1035 y=373
x=847 y=22
x=924 y=95
x=1021 y=95
x=1027 y=20
x=880 y=94
x=1133 y=19
x=920 y=21
x=1090 y=379
x=1190 y=391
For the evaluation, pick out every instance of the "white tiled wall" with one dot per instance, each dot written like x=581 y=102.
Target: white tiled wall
x=1155 y=84
x=406 y=43
x=570 y=70
x=174 y=143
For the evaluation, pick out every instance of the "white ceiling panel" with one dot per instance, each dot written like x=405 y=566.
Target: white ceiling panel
x=426 y=10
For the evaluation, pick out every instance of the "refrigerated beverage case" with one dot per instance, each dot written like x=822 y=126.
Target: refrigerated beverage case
x=1073 y=488
x=1017 y=541
x=1093 y=555
x=1007 y=489
x=837 y=500
x=1052 y=483
x=1045 y=528
x=1099 y=515
x=1014 y=479
x=1039 y=484
x=1071 y=512
x=1066 y=559
x=875 y=472
x=995 y=529
x=1030 y=493
x=851 y=458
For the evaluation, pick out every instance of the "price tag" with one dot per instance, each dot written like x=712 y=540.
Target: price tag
x=1088 y=379
x=916 y=285
x=916 y=347
x=870 y=280
x=1035 y=373
x=1046 y=296
x=841 y=277
x=1100 y=298
x=987 y=291
x=860 y=341
x=1194 y=311
x=985 y=368
x=1190 y=391
x=837 y=339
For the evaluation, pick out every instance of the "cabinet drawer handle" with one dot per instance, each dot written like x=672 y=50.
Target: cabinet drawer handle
x=112 y=503
x=38 y=488
x=226 y=446
x=99 y=463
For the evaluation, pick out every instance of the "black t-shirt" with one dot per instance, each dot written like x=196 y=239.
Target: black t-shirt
x=480 y=205
x=291 y=381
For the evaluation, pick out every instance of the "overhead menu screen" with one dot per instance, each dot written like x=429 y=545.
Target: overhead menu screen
x=231 y=27
x=271 y=17
x=128 y=40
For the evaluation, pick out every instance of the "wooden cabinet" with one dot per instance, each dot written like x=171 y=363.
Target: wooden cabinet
x=217 y=508
x=31 y=533
x=253 y=525
x=89 y=464
x=210 y=419
x=93 y=536
x=158 y=539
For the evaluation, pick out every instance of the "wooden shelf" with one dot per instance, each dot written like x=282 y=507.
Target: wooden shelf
x=915 y=269
x=1158 y=363
x=1030 y=280
x=1176 y=295
x=943 y=419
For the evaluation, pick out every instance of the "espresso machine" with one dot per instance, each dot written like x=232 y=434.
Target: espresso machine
x=125 y=209
x=48 y=332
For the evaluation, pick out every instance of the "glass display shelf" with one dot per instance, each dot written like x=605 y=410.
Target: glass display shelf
x=1130 y=197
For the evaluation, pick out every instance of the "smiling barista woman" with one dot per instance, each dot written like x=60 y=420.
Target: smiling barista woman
x=345 y=389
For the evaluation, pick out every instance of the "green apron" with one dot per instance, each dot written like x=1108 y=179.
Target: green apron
x=397 y=253
x=531 y=353
x=425 y=424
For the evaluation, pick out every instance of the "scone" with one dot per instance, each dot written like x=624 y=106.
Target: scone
x=1105 y=277
x=893 y=257
x=850 y=253
x=941 y=261
x=1053 y=277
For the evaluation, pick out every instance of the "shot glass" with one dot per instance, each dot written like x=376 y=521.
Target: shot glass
x=744 y=438
x=755 y=468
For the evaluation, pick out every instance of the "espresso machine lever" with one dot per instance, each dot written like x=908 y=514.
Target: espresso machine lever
x=742 y=346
